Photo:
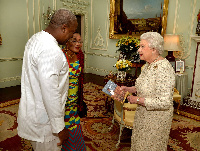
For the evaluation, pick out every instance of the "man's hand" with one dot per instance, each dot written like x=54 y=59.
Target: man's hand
x=63 y=136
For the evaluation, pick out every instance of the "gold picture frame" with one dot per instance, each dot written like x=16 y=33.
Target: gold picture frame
x=135 y=27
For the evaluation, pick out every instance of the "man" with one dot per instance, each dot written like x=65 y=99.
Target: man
x=44 y=84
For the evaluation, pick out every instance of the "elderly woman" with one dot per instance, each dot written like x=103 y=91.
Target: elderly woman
x=154 y=88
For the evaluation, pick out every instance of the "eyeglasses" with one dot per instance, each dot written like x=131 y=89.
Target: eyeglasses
x=74 y=42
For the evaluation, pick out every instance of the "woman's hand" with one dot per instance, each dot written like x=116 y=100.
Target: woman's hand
x=124 y=88
x=132 y=99
x=118 y=94
x=129 y=89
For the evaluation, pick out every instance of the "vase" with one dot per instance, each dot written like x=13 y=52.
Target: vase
x=121 y=76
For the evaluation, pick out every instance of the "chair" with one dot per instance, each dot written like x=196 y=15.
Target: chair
x=177 y=99
x=124 y=114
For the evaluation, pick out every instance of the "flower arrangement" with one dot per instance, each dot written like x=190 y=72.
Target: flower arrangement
x=128 y=44
x=123 y=65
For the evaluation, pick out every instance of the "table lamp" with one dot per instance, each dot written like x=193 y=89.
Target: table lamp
x=171 y=43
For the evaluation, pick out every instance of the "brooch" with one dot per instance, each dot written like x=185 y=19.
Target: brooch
x=155 y=67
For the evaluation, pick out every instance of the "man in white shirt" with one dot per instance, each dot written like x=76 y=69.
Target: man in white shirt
x=44 y=84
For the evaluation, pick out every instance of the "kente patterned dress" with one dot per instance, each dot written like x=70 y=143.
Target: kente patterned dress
x=72 y=119
x=152 y=122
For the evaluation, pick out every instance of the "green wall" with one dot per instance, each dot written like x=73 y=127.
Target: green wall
x=13 y=32
x=100 y=51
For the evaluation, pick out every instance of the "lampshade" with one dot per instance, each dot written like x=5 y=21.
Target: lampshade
x=172 y=43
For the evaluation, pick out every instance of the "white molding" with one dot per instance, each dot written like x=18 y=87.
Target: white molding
x=101 y=55
x=98 y=40
x=11 y=59
x=33 y=16
x=77 y=2
x=98 y=69
x=189 y=67
x=196 y=78
x=27 y=15
x=10 y=79
x=191 y=31
x=39 y=16
x=95 y=44
x=175 y=18
x=196 y=38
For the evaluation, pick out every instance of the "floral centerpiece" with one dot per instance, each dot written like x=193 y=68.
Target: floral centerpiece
x=123 y=65
x=128 y=46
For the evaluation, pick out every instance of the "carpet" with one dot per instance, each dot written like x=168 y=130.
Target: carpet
x=184 y=135
x=95 y=100
x=9 y=140
x=98 y=137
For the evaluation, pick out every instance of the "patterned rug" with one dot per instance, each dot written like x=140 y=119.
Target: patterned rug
x=184 y=136
x=95 y=99
x=9 y=140
x=98 y=137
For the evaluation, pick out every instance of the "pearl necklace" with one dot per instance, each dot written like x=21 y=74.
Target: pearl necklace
x=156 y=59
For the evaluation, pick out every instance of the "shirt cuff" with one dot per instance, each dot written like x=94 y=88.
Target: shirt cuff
x=57 y=124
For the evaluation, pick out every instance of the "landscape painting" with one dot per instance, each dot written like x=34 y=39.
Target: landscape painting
x=134 y=17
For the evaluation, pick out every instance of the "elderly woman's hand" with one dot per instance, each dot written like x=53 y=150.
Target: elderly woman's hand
x=132 y=99
x=129 y=89
x=118 y=94
x=124 y=88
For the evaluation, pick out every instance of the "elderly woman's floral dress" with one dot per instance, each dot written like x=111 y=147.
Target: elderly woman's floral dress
x=152 y=122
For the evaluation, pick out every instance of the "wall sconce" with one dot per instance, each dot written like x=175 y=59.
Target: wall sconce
x=48 y=15
x=171 y=44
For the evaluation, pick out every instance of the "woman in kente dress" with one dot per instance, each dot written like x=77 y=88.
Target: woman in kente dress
x=72 y=119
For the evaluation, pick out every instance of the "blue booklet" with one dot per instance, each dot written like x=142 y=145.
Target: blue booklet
x=109 y=88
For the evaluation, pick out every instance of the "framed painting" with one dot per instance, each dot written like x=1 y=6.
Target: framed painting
x=133 y=17
x=180 y=66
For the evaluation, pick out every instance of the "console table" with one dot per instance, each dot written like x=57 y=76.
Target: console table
x=181 y=83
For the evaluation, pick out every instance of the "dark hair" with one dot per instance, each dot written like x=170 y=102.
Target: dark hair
x=76 y=32
x=63 y=16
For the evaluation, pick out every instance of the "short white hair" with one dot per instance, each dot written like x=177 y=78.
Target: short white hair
x=155 y=41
